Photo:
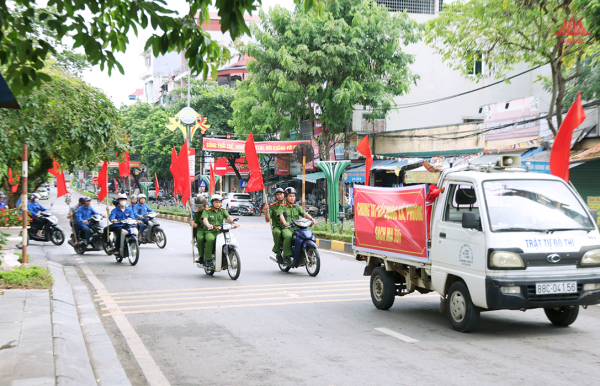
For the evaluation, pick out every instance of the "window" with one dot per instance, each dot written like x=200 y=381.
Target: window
x=148 y=60
x=411 y=6
x=460 y=199
x=474 y=63
x=241 y=196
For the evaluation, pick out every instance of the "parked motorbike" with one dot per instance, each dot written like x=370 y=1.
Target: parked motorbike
x=129 y=247
x=52 y=231
x=153 y=232
x=304 y=248
x=97 y=239
x=312 y=210
x=225 y=255
x=257 y=208
x=245 y=210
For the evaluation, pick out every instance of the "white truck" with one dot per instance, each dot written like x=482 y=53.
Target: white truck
x=502 y=238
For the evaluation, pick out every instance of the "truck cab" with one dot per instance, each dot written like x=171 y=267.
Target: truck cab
x=504 y=238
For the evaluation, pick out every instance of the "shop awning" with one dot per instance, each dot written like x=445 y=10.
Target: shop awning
x=312 y=177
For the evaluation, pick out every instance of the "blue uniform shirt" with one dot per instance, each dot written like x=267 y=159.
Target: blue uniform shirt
x=2 y=204
x=119 y=214
x=141 y=209
x=84 y=214
x=34 y=208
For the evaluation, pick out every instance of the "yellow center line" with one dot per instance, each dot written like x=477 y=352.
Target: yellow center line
x=238 y=287
x=160 y=298
x=236 y=306
x=362 y=292
x=283 y=288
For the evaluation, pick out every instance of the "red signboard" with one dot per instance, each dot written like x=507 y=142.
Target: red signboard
x=282 y=166
x=231 y=146
x=240 y=164
x=116 y=164
x=391 y=221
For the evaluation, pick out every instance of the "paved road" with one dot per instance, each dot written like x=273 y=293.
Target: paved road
x=273 y=328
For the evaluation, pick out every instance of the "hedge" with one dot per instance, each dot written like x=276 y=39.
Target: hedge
x=333 y=236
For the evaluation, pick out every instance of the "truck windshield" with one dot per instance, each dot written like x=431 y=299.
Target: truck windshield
x=538 y=205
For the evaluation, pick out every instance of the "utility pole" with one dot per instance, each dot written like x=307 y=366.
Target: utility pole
x=24 y=168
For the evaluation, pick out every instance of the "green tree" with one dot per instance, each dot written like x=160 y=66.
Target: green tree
x=349 y=54
x=66 y=119
x=104 y=33
x=505 y=33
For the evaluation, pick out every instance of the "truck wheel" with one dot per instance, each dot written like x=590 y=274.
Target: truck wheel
x=562 y=316
x=383 y=289
x=463 y=314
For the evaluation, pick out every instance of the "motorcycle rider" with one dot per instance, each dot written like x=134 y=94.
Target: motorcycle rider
x=84 y=213
x=197 y=222
x=294 y=213
x=140 y=210
x=121 y=212
x=36 y=217
x=134 y=201
x=272 y=214
x=3 y=204
x=215 y=215
x=72 y=211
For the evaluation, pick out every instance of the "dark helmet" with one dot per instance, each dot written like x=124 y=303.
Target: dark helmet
x=290 y=190
x=279 y=190
x=81 y=200
x=115 y=202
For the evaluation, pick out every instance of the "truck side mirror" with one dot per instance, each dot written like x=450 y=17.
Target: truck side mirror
x=594 y=214
x=469 y=220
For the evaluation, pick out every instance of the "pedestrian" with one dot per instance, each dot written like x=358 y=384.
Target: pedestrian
x=215 y=215
x=198 y=226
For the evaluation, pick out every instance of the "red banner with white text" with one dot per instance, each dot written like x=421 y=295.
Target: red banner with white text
x=391 y=221
x=232 y=146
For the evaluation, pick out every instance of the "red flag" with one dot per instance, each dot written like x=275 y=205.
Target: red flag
x=364 y=149
x=124 y=166
x=156 y=185
x=561 y=149
x=183 y=166
x=174 y=171
x=103 y=182
x=255 y=183
x=213 y=182
x=61 y=185
x=14 y=182
x=116 y=186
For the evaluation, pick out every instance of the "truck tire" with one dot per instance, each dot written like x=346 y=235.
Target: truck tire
x=383 y=289
x=562 y=316
x=462 y=313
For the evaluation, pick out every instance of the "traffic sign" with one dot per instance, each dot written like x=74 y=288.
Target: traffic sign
x=243 y=183
x=202 y=184
x=187 y=115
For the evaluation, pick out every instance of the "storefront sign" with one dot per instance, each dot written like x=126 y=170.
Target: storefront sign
x=240 y=164
x=192 y=163
x=353 y=176
x=594 y=203
x=116 y=164
x=540 y=167
x=497 y=114
x=231 y=146
x=282 y=166
x=391 y=221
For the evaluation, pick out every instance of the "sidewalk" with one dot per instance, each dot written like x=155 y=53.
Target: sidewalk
x=55 y=337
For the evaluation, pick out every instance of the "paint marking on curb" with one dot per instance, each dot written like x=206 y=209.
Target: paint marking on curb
x=338 y=245
x=397 y=335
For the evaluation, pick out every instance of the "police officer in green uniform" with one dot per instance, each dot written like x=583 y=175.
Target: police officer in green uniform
x=200 y=228
x=294 y=212
x=212 y=216
x=272 y=214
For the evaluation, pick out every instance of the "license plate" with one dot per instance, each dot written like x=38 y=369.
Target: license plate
x=563 y=287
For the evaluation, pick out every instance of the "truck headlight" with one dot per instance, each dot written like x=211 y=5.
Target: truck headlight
x=591 y=257
x=591 y=286
x=503 y=259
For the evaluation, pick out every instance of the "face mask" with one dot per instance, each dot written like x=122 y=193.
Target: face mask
x=122 y=203
x=36 y=200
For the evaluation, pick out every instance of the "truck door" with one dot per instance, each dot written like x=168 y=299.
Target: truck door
x=457 y=250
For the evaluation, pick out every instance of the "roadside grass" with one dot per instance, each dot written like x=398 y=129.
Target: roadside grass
x=329 y=231
x=169 y=210
x=26 y=278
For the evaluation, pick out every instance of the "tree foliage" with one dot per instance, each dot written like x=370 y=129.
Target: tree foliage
x=104 y=32
x=506 y=33
x=66 y=119
x=350 y=54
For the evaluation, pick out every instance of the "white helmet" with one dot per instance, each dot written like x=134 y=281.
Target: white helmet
x=35 y=195
x=216 y=197
x=121 y=195
x=142 y=195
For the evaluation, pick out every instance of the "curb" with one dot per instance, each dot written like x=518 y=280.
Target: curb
x=171 y=217
x=335 y=245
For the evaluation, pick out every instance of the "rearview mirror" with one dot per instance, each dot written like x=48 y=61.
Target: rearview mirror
x=236 y=219
x=285 y=214
x=469 y=220
x=594 y=214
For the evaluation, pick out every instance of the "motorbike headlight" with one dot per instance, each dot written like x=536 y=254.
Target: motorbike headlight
x=53 y=219
x=504 y=259
x=591 y=257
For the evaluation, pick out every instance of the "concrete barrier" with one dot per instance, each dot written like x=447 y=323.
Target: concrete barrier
x=335 y=245
x=171 y=217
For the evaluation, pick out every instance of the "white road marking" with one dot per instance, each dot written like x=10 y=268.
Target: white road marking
x=337 y=253
x=173 y=249
x=153 y=374
x=395 y=334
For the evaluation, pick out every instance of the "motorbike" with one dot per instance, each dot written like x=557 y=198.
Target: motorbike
x=245 y=210
x=52 y=231
x=304 y=248
x=225 y=255
x=312 y=210
x=97 y=239
x=153 y=232
x=129 y=247
x=257 y=208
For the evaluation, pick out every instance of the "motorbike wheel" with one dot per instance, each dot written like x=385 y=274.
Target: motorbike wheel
x=283 y=267
x=80 y=250
x=133 y=254
x=312 y=261
x=108 y=246
x=234 y=265
x=119 y=259
x=160 y=238
x=57 y=237
x=209 y=271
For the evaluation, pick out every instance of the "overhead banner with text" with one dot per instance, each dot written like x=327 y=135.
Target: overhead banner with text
x=391 y=221
x=232 y=146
